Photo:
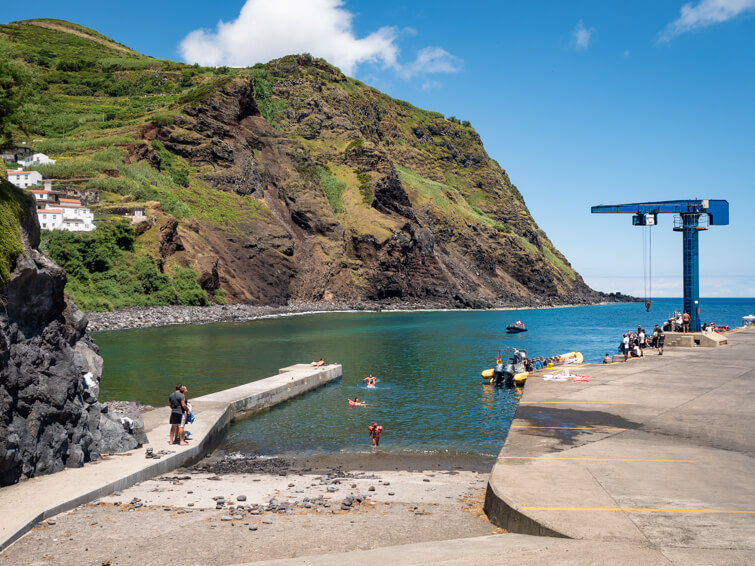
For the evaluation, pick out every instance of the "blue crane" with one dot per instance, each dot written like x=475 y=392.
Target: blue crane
x=689 y=211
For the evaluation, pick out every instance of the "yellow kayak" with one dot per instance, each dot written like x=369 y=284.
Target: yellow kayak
x=576 y=356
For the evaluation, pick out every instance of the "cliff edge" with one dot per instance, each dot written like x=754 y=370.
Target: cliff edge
x=50 y=371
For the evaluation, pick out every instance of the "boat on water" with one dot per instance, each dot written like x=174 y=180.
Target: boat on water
x=516 y=327
x=520 y=366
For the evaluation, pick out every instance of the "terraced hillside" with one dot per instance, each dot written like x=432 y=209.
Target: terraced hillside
x=284 y=181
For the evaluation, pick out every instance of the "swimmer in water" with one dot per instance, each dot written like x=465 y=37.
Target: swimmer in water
x=371 y=380
x=356 y=402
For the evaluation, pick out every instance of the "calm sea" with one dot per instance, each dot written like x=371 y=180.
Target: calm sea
x=430 y=397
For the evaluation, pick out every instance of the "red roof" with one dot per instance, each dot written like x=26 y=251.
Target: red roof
x=20 y=172
x=77 y=201
x=50 y=211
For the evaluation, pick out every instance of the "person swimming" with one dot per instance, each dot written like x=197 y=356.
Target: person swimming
x=371 y=380
x=355 y=402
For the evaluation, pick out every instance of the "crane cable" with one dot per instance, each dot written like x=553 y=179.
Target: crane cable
x=647 y=265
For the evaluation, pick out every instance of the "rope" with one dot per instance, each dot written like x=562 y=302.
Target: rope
x=647 y=264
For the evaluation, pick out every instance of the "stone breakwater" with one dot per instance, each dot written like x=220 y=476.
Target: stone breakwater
x=146 y=317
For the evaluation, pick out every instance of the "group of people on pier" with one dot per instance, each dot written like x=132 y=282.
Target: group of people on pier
x=634 y=343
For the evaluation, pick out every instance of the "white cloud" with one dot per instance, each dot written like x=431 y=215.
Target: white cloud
x=703 y=14
x=268 y=29
x=582 y=36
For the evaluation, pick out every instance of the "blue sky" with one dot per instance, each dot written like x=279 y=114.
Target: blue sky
x=582 y=102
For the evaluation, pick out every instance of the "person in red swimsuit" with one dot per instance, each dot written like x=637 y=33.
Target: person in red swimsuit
x=375 y=430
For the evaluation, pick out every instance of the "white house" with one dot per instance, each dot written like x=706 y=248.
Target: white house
x=37 y=159
x=76 y=217
x=42 y=196
x=23 y=179
x=50 y=218
x=69 y=214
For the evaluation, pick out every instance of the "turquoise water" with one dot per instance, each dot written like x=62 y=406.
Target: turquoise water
x=430 y=397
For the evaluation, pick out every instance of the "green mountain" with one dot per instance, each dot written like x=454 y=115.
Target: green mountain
x=284 y=181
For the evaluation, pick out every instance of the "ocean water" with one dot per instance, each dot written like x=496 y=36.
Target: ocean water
x=429 y=397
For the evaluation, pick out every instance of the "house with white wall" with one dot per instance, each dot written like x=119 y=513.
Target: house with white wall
x=23 y=179
x=37 y=159
x=50 y=218
x=63 y=213
x=76 y=217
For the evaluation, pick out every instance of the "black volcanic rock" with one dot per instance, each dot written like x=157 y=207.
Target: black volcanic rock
x=49 y=374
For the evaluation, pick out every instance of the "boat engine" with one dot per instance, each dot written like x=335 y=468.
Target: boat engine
x=517 y=364
x=498 y=374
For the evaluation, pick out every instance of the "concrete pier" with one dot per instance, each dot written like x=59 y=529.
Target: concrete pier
x=24 y=504
x=656 y=452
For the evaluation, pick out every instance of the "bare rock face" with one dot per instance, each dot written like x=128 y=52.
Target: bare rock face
x=50 y=417
x=424 y=213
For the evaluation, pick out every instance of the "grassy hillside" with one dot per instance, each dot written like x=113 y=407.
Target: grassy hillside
x=284 y=180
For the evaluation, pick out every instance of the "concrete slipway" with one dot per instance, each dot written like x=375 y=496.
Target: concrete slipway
x=26 y=503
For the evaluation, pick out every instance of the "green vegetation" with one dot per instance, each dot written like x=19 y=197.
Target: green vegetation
x=15 y=88
x=269 y=107
x=13 y=206
x=556 y=262
x=106 y=273
x=63 y=146
x=365 y=189
x=447 y=199
x=333 y=189
x=174 y=165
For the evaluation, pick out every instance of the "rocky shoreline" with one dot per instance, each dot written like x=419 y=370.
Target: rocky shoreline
x=147 y=317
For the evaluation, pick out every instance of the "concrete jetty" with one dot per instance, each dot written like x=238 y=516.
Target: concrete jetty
x=657 y=452
x=31 y=501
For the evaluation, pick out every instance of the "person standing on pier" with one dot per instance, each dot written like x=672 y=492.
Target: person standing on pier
x=685 y=322
x=661 y=340
x=177 y=403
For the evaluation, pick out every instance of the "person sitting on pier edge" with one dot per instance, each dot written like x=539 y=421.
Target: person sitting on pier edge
x=607 y=359
x=318 y=363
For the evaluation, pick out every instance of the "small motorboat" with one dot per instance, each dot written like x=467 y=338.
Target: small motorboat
x=516 y=327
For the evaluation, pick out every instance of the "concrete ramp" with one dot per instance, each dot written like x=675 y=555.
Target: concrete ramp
x=31 y=501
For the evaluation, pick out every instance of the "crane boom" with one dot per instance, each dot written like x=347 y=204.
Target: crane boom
x=645 y=214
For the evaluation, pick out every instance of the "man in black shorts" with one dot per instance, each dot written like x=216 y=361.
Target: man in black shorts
x=177 y=403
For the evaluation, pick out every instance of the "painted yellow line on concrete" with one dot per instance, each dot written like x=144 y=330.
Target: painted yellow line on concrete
x=574 y=403
x=639 y=510
x=571 y=427
x=592 y=459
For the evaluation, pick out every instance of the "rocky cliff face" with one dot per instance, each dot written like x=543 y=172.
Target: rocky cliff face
x=49 y=373
x=356 y=197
